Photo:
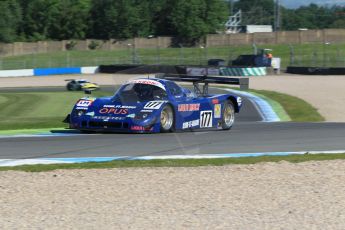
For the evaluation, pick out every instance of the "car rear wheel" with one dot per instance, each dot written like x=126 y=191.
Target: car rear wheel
x=228 y=118
x=167 y=119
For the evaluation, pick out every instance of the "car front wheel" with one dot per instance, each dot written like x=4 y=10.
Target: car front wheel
x=228 y=118
x=167 y=119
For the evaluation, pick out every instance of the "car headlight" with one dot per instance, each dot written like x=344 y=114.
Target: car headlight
x=141 y=116
x=239 y=101
x=80 y=113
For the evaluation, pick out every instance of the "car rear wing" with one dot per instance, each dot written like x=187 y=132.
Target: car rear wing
x=243 y=82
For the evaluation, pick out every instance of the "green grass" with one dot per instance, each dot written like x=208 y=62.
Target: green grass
x=30 y=131
x=307 y=54
x=176 y=163
x=38 y=110
x=297 y=109
x=287 y=107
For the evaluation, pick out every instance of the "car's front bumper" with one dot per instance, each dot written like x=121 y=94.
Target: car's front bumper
x=127 y=125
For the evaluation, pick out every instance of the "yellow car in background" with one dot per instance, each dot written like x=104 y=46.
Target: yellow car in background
x=80 y=84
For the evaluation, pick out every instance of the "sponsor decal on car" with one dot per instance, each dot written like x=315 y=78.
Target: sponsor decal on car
x=125 y=107
x=84 y=103
x=119 y=106
x=109 y=118
x=146 y=111
x=113 y=111
x=140 y=128
x=215 y=101
x=188 y=107
x=217 y=111
x=154 y=104
x=190 y=124
x=148 y=82
x=206 y=119
x=81 y=108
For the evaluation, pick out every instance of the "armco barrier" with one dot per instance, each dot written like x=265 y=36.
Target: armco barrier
x=142 y=69
x=49 y=71
x=57 y=71
x=17 y=73
x=89 y=70
x=315 y=70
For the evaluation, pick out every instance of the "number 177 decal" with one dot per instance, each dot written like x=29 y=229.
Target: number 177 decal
x=206 y=119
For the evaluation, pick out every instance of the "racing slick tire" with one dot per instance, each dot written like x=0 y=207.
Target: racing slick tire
x=69 y=87
x=228 y=118
x=167 y=120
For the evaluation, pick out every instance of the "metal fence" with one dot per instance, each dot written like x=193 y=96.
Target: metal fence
x=311 y=55
x=170 y=56
x=318 y=55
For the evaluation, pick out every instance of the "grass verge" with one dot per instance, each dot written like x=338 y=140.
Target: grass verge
x=176 y=163
x=37 y=110
x=297 y=109
x=287 y=107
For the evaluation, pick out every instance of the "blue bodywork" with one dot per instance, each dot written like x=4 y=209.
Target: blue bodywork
x=115 y=114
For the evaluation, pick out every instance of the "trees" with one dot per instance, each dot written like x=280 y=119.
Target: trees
x=10 y=20
x=160 y=20
x=71 y=21
x=194 y=19
x=56 y=19
x=191 y=20
x=118 y=19
x=187 y=18
x=39 y=18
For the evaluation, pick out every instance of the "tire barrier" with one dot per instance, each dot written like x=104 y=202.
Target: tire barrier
x=315 y=70
x=116 y=68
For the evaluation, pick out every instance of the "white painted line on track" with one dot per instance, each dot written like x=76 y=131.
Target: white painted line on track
x=16 y=162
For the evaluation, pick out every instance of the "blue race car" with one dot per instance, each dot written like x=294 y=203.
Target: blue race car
x=153 y=105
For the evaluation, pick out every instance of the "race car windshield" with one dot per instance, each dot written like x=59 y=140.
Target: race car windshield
x=136 y=92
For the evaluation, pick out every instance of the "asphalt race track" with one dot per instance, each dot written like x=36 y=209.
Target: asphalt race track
x=245 y=137
x=249 y=135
